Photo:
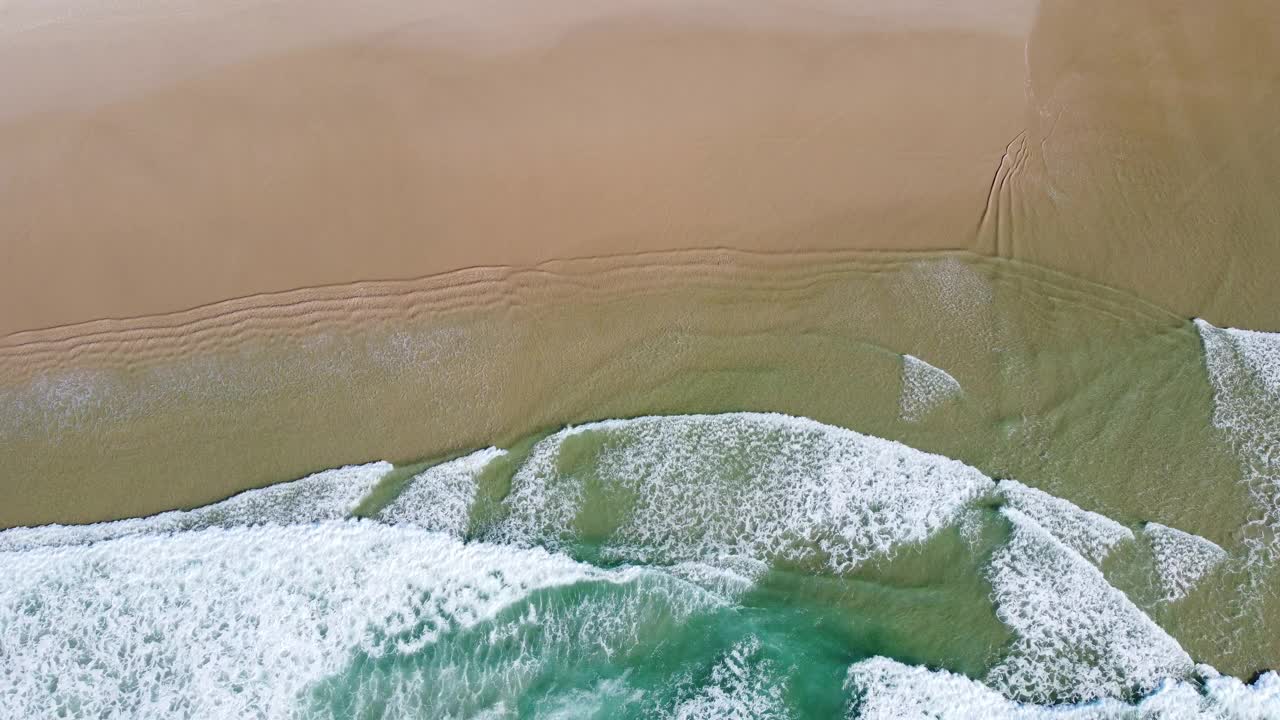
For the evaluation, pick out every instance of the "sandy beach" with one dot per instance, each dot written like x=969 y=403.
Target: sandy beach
x=321 y=150
x=403 y=152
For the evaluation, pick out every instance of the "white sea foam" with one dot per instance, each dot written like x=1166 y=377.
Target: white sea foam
x=237 y=622
x=1182 y=559
x=884 y=689
x=888 y=690
x=1259 y=700
x=1244 y=371
x=607 y=698
x=743 y=686
x=1258 y=351
x=702 y=487
x=728 y=576
x=971 y=526
x=924 y=387
x=1078 y=638
x=329 y=495
x=440 y=497
x=1088 y=533
x=227 y=611
x=500 y=666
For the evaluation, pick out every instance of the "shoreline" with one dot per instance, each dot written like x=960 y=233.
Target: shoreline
x=244 y=393
x=27 y=353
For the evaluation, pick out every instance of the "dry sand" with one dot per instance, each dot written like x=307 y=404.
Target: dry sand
x=401 y=148
x=160 y=156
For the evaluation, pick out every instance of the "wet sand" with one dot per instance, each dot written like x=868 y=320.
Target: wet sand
x=183 y=409
x=1149 y=160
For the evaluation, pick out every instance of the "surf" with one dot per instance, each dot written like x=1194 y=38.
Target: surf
x=741 y=564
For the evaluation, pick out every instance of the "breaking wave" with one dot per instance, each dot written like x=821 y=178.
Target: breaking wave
x=703 y=566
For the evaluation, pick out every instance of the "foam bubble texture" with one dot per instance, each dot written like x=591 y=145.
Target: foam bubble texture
x=1182 y=559
x=1088 y=533
x=767 y=486
x=243 y=608
x=1244 y=371
x=329 y=495
x=743 y=686
x=924 y=387
x=1257 y=701
x=440 y=497
x=491 y=669
x=237 y=622
x=728 y=576
x=1078 y=638
x=884 y=689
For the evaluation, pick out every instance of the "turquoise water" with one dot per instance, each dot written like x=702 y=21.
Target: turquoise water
x=741 y=565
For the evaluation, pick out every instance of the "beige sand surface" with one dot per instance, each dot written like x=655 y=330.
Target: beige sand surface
x=422 y=139
x=160 y=156
x=1151 y=157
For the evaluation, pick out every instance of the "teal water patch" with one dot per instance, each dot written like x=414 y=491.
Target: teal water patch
x=658 y=647
x=704 y=566
x=565 y=646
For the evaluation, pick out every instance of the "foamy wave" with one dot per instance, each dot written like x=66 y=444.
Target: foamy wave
x=1182 y=559
x=440 y=497
x=701 y=487
x=1244 y=371
x=742 y=685
x=238 y=622
x=1088 y=533
x=924 y=387
x=497 y=668
x=271 y=604
x=889 y=690
x=329 y=495
x=1078 y=638
x=725 y=576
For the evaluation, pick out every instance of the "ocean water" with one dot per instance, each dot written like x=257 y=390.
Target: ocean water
x=737 y=565
x=997 y=492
